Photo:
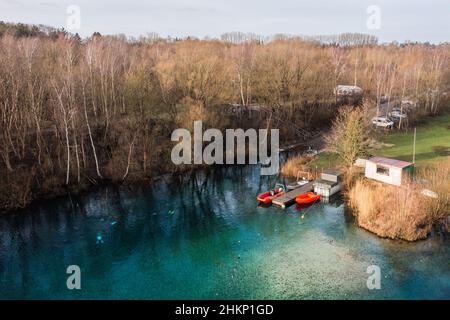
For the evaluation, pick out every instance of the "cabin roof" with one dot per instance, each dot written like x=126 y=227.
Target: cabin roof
x=391 y=162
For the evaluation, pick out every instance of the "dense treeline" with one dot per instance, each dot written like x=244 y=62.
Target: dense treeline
x=74 y=112
x=20 y=30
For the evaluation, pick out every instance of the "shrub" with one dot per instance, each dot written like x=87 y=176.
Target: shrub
x=349 y=135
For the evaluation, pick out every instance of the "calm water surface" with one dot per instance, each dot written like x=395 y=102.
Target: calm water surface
x=203 y=237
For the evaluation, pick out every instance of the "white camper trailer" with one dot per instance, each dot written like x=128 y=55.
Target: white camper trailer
x=348 y=91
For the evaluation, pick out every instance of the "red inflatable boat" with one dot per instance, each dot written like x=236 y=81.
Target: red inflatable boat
x=306 y=198
x=268 y=196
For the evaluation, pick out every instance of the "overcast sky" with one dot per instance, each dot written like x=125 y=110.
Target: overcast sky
x=424 y=20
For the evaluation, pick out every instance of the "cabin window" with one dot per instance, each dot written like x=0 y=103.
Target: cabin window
x=383 y=170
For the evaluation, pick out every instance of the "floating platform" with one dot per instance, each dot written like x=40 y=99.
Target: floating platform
x=330 y=183
x=289 y=197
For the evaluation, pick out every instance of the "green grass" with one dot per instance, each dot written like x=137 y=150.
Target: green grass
x=325 y=160
x=433 y=133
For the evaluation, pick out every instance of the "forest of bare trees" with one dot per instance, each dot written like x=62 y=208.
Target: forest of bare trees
x=77 y=112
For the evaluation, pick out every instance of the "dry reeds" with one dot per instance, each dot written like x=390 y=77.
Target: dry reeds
x=295 y=164
x=437 y=180
x=403 y=212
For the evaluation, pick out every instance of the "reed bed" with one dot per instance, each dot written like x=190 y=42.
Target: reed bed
x=403 y=212
x=298 y=163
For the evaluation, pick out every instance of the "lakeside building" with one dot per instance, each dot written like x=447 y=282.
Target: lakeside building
x=387 y=170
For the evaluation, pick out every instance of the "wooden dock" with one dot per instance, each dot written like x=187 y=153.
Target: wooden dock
x=289 y=197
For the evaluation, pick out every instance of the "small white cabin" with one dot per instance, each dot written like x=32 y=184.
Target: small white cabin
x=388 y=170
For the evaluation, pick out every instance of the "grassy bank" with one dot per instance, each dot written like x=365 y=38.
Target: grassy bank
x=432 y=145
x=324 y=161
x=432 y=141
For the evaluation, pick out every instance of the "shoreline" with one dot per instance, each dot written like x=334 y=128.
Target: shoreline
x=68 y=192
x=88 y=186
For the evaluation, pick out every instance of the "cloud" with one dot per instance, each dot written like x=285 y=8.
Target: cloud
x=400 y=20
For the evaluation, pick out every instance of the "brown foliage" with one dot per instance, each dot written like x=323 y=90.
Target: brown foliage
x=104 y=107
x=294 y=165
x=349 y=135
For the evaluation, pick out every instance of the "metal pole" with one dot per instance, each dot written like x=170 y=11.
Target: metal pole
x=414 y=147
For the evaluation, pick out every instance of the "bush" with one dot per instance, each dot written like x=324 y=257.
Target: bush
x=349 y=135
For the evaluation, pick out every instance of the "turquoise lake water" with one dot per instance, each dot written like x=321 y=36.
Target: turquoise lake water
x=204 y=237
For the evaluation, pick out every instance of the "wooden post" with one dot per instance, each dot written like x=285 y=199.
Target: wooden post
x=414 y=147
